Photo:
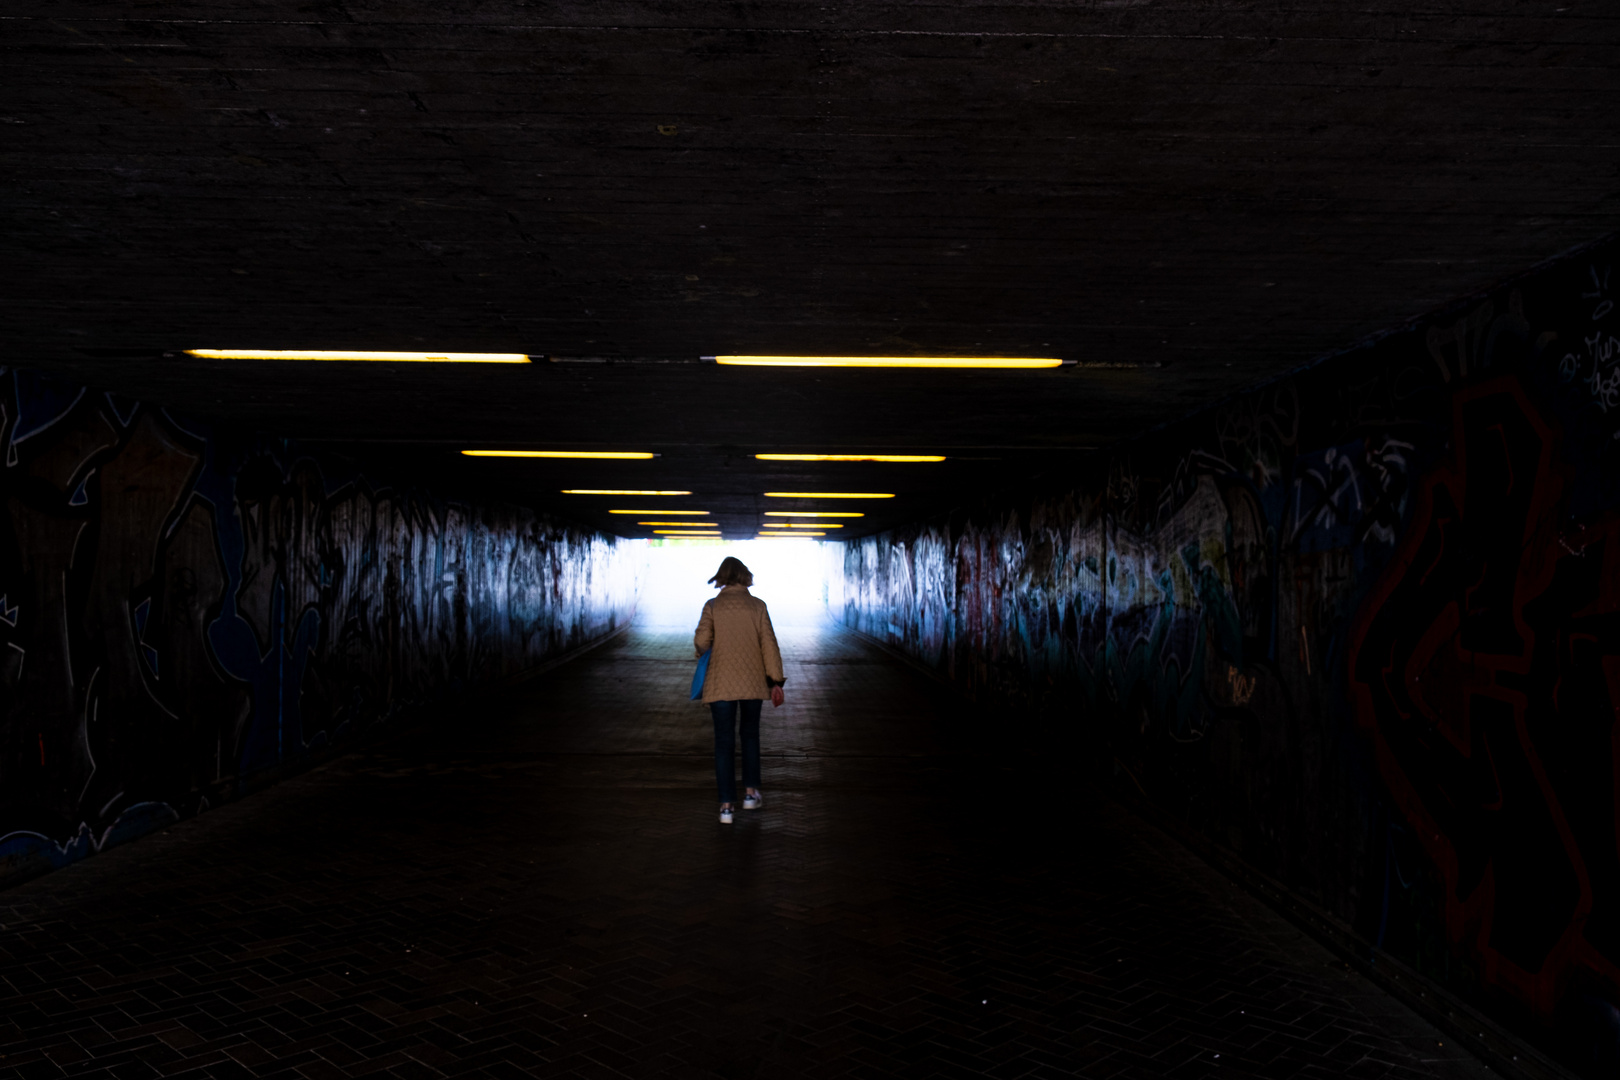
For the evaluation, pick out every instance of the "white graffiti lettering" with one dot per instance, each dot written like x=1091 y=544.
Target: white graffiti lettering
x=1597 y=369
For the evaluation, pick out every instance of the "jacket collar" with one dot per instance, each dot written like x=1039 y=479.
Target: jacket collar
x=735 y=588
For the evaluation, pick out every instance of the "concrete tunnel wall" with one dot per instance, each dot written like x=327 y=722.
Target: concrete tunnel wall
x=185 y=611
x=1360 y=625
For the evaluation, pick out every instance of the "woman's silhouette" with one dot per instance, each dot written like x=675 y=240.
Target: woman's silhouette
x=745 y=667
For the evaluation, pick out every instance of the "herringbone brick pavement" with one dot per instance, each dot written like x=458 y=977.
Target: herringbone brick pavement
x=536 y=885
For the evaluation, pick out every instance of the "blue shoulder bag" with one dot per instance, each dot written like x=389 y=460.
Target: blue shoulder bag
x=700 y=674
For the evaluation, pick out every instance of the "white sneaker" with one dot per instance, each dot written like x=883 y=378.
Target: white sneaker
x=753 y=802
x=725 y=815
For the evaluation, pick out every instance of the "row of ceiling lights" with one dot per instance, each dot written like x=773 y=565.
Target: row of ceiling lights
x=815 y=528
x=712 y=529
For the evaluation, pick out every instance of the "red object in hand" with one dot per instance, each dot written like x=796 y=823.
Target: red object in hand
x=776 y=697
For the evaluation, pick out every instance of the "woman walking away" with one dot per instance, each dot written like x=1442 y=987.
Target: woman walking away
x=744 y=669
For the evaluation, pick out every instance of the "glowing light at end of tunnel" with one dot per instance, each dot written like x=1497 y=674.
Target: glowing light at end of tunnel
x=620 y=491
x=827 y=495
x=609 y=455
x=660 y=511
x=901 y=458
x=892 y=361
x=361 y=354
x=814 y=513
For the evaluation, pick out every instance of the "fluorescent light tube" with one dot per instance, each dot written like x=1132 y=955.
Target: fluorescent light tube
x=892 y=361
x=907 y=458
x=612 y=455
x=340 y=354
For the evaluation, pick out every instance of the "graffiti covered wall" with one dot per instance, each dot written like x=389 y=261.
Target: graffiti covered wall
x=181 y=610
x=1361 y=625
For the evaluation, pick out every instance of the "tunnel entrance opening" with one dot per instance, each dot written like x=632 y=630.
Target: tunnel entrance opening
x=789 y=575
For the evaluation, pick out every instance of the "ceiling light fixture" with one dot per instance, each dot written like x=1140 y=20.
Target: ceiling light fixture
x=620 y=491
x=611 y=455
x=907 y=458
x=682 y=524
x=608 y=455
x=684 y=532
x=660 y=511
x=827 y=495
x=788 y=536
x=814 y=513
x=802 y=525
x=338 y=354
x=891 y=361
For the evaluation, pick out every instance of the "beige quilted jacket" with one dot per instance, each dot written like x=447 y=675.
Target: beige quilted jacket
x=746 y=659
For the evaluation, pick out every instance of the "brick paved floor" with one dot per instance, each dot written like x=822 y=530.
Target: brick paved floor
x=538 y=886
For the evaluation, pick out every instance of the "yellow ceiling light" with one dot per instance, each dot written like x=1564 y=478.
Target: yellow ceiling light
x=850 y=457
x=698 y=512
x=789 y=536
x=814 y=513
x=682 y=524
x=363 y=354
x=827 y=495
x=891 y=361
x=620 y=491
x=610 y=455
x=803 y=525
x=684 y=532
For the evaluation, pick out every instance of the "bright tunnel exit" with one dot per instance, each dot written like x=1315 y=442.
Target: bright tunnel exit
x=791 y=576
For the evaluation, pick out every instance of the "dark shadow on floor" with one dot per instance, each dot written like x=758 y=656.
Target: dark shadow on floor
x=536 y=885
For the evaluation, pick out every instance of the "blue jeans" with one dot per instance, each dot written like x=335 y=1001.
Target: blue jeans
x=725 y=745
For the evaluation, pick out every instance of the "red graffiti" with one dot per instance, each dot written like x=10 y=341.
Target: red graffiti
x=1486 y=667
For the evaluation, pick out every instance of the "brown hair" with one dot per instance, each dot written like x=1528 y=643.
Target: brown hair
x=732 y=572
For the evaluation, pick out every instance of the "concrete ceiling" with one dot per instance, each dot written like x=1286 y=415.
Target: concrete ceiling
x=1185 y=197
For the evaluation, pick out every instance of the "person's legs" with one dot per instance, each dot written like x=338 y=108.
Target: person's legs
x=750 y=744
x=725 y=748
